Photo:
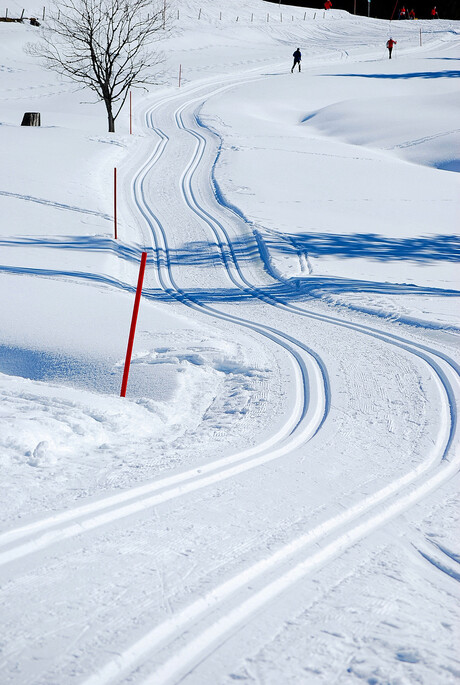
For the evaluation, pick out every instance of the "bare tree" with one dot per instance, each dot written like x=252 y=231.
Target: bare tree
x=105 y=45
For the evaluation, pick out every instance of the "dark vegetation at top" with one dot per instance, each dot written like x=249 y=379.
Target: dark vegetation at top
x=383 y=9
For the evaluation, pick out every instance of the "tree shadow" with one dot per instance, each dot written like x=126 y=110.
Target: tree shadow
x=454 y=73
x=260 y=246
x=372 y=246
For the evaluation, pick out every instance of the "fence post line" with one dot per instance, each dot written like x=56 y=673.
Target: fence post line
x=115 y=203
x=132 y=330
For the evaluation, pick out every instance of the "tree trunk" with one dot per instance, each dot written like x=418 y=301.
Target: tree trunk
x=110 y=117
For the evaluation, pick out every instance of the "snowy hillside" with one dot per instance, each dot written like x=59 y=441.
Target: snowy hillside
x=274 y=501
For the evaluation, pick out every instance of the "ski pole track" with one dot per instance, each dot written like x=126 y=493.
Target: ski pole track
x=220 y=628
x=394 y=498
x=363 y=517
x=300 y=427
x=311 y=377
x=119 y=500
x=225 y=245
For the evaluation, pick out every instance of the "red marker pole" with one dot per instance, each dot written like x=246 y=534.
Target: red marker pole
x=392 y=14
x=132 y=330
x=115 y=203
x=130 y=113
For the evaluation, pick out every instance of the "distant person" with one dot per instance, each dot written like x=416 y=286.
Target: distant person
x=390 y=44
x=297 y=57
x=328 y=5
x=402 y=13
x=412 y=14
x=434 y=13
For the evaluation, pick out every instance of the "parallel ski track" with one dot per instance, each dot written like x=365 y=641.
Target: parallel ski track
x=277 y=572
x=333 y=536
x=309 y=412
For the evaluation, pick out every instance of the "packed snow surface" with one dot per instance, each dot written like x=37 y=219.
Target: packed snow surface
x=274 y=501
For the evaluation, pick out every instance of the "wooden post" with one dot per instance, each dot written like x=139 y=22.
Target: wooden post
x=115 y=203
x=237 y=18
x=420 y=37
x=199 y=14
x=304 y=16
x=130 y=113
x=252 y=16
x=220 y=15
x=268 y=17
x=31 y=119
x=281 y=17
x=132 y=330
x=22 y=14
x=314 y=16
x=43 y=17
x=6 y=13
x=178 y=14
x=180 y=73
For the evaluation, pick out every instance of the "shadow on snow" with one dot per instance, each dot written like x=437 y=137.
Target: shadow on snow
x=454 y=73
x=422 y=249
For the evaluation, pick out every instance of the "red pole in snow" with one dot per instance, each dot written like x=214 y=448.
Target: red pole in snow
x=392 y=14
x=115 y=203
x=132 y=330
x=130 y=113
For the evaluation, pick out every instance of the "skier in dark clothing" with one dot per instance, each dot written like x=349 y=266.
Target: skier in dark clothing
x=297 y=57
x=390 y=44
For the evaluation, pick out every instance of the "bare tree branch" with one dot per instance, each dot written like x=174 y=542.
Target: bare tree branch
x=105 y=45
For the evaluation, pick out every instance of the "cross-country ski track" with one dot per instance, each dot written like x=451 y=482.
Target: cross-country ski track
x=171 y=181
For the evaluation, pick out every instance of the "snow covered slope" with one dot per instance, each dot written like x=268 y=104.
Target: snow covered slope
x=274 y=501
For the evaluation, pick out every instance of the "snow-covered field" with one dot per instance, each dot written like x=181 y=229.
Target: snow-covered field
x=274 y=502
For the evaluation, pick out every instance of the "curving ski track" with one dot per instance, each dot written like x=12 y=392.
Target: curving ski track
x=290 y=563
x=282 y=569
